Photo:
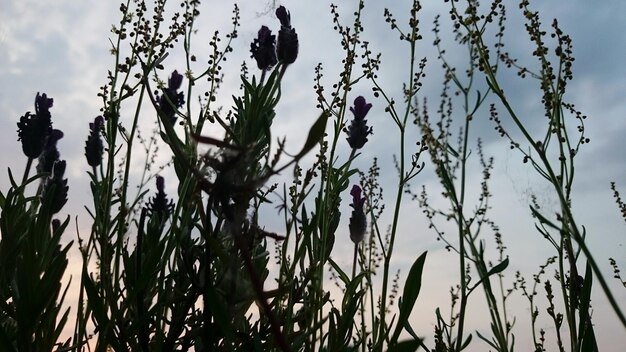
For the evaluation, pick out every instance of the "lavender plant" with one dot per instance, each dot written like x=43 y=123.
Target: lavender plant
x=183 y=262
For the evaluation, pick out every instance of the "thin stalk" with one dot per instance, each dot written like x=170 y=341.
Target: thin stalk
x=326 y=194
x=575 y=233
x=29 y=164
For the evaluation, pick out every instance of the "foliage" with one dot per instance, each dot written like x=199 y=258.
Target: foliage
x=192 y=270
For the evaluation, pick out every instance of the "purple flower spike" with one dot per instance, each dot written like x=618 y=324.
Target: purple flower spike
x=361 y=108
x=50 y=154
x=171 y=100
x=358 y=222
x=56 y=187
x=33 y=129
x=263 y=49
x=93 y=146
x=160 y=205
x=287 y=47
x=283 y=16
x=43 y=104
x=358 y=129
x=175 y=81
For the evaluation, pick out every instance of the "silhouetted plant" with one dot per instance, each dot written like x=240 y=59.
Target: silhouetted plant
x=186 y=265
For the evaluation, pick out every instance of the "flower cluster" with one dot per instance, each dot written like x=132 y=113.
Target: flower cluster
x=358 y=222
x=50 y=154
x=287 y=48
x=267 y=52
x=160 y=205
x=172 y=99
x=263 y=49
x=56 y=187
x=33 y=130
x=358 y=129
x=93 y=145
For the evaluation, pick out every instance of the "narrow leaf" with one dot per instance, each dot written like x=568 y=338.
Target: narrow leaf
x=315 y=135
x=412 y=288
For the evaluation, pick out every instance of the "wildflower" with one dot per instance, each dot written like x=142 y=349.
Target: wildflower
x=93 y=145
x=56 y=187
x=358 y=129
x=50 y=153
x=33 y=130
x=171 y=100
x=263 y=49
x=287 y=47
x=159 y=204
x=358 y=223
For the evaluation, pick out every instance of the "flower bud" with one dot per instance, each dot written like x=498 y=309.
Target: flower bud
x=358 y=222
x=287 y=47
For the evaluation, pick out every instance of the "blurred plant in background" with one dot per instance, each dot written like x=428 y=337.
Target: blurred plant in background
x=187 y=267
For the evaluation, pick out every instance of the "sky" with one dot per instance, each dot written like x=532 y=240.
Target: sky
x=63 y=50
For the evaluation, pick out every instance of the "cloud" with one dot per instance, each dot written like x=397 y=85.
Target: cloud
x=62 y=49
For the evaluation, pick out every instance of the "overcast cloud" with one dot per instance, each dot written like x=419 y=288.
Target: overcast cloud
x=62 y=49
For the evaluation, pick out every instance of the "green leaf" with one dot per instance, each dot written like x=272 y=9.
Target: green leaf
x=342 y=275
x=412 y=288
x=495 y=270
x=467 y=342
x=487 y=341
x=586 y=337
x=499 y=268
x=316 y=133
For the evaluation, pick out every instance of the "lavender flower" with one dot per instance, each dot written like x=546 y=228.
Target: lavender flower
x=263 y=49
x=287 y=47
x=56 y=187
x=358 y=129
x=93 y=145
x=159 y=205
x=171 y=100
x=358 y=223
x=50 y=153
x=33 y=130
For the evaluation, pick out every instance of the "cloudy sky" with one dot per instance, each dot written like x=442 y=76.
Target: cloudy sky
x=63 y=50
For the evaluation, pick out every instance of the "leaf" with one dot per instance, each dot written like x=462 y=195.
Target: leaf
x=315 y=135
x=341 y=273
x=412 y=288
x=467 y=342
x=452 y=151
x=405 y=346
x=499 y=268
x=587 y=338
x=487 y=341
